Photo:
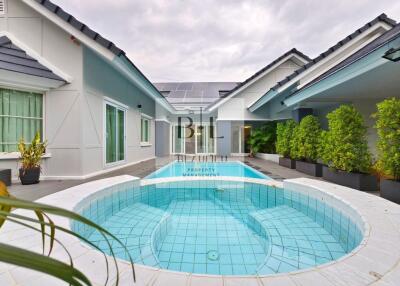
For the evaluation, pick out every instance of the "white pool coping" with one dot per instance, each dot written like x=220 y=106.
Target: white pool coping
x=375 y=262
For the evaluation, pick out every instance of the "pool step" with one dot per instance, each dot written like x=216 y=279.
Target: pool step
x=134 y=229
x=288 y=231
x=234 y=208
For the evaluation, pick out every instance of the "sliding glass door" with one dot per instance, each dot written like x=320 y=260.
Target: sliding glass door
x=115 y=134
x=198 y=140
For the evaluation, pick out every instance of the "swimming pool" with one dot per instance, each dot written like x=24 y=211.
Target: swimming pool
x=207 y=169
x=223 y=227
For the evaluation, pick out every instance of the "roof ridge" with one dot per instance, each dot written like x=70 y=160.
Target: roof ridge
x=272 y=63
x=371 y=47
x=80 y=26
x=383 y=17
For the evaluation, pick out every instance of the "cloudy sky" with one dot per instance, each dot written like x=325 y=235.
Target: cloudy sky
x=221 y=40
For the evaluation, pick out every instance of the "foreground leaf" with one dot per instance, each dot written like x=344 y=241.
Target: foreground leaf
x=32 y=260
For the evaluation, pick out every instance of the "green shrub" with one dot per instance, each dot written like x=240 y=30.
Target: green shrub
x=284 y=132
x=263 y=139
x=388 y=145
x=344 y=146
x=305 y=141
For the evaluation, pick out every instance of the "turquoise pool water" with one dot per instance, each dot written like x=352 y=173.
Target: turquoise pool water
x=219 y=227
x=208 y=169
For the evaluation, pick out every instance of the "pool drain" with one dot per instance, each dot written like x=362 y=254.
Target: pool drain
x=213 y=255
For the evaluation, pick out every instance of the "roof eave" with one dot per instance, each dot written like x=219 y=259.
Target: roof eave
x=371 y=61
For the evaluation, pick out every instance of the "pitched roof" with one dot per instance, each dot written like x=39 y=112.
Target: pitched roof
x=71 y=20
x=375 y=44
x=181 y=94
x=13 y=58
x=81 y=26
x=381 y=18
x=271 y=64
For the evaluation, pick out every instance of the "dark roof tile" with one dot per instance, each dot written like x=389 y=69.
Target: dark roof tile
x=49 y=5
x=382 y=18
x=377 y=43
x=80 y=26
x=76 y=24
x=14 y=59
x=91 y=34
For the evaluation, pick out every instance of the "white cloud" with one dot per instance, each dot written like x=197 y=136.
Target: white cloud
x=208 y=40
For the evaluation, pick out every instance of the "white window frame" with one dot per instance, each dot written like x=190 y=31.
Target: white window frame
x=149 y=121
x=17 y=154
x=172 y=136
x=118 y=106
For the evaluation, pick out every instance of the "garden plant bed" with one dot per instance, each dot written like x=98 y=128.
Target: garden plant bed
x=312 y=169
x=287 y=162
x=390 y=190
x=359 y=181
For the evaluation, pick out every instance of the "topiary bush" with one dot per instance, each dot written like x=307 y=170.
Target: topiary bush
x=263 y=139
x=305 y=141
x=284 y=132
x=388 y=145
x=344 y=146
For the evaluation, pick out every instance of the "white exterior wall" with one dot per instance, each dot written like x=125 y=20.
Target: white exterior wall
x=236 y=107
x=73 y=114
x=61 y=106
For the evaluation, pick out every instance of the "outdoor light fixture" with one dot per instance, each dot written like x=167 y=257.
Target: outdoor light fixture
x=139 y=106
x=392 y=55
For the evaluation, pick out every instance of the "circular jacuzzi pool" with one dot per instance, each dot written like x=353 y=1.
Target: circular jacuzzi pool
x=223 y=227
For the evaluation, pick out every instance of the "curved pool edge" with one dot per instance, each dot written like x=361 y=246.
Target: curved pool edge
x=375 y=260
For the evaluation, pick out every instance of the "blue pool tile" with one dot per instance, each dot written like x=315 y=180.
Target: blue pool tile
x=251 y=228
x=200 y=268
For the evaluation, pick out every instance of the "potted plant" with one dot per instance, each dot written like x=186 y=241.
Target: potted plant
x=284 y=132
x=388 y=145
x=344 y=149
x=31 y=156
x=263 y=139
x=304 y=146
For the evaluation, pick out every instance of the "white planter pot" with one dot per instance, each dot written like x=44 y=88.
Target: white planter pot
x=270 y=157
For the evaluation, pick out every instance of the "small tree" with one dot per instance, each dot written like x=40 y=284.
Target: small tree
x=263 y=139
x=306 y=136
x=284 y=132
x=344 y=146
x=388 y=127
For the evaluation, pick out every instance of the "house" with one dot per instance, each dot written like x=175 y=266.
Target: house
x=353 y=71
x=99 y=112
x=223 y=124
x=89 y=101
x=357 y=70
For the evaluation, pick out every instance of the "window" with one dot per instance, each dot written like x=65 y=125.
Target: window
x=21 y=116
x=145 y=130
x=115 y=134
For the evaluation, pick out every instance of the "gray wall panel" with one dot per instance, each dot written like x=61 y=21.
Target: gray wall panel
x=224 y=138
x=163 y=140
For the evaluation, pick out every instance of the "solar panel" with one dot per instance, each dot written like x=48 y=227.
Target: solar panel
x=195 y=93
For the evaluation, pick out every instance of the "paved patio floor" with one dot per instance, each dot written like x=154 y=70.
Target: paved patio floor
x=44 y=188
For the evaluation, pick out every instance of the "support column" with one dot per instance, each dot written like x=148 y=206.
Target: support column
x=300 y=113
x=223 y=138
x=163 y=140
